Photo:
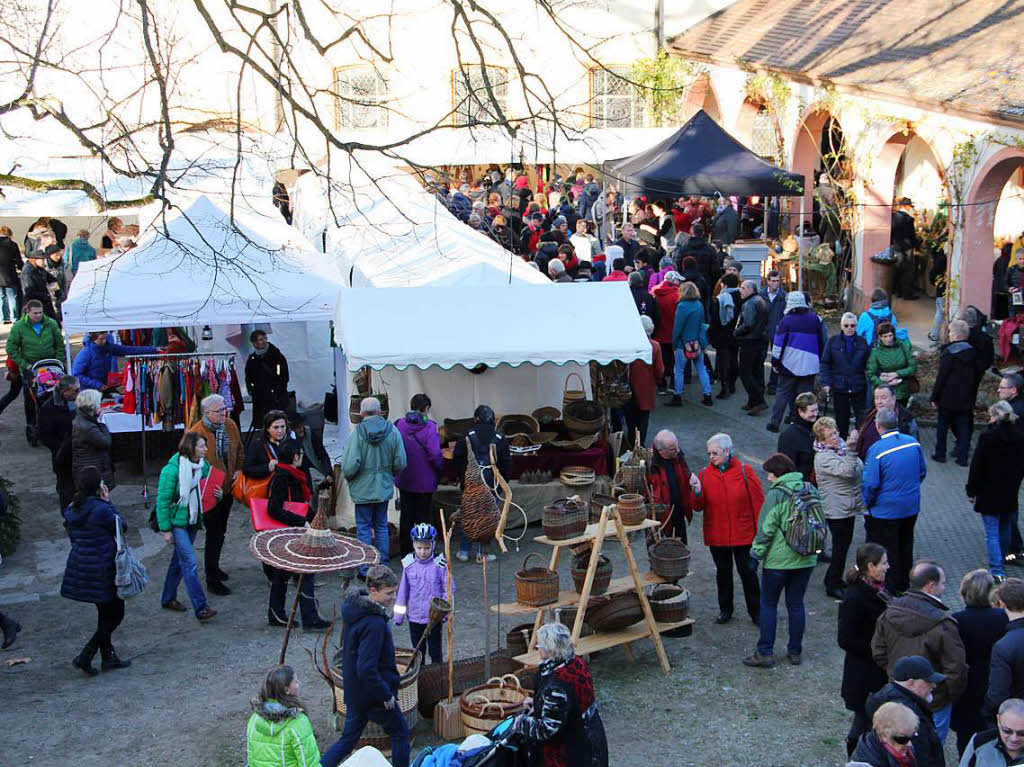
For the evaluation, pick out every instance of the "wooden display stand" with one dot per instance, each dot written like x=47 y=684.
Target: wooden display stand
x=647 y=628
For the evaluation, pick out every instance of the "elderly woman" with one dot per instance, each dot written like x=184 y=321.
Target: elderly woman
x=980 y=626
x=224 y=453
x=993 y=481
x=98 y=359
x=689 y=340
x=730 y=495
x=562 y=723
x=838 y=470
x=670 y=483
x=888 y=743
x=892 y=362
x=843 y=373
x=179 y=514
x=90 y=438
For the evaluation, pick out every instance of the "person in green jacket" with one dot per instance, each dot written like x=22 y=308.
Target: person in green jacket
x=783 y=567
x=373 y=455
x=32 y=338
x=891 y=362
x=179 y=514
x=279 y=733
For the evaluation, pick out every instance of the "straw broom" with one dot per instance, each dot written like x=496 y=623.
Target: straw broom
x=447 y=717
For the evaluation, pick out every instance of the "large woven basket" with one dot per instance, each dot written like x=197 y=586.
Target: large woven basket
x=565 y=518
x=572 y=395
x=669 y=558
x=408 y=699
x=469 y=672
x=546 y=415
x=583 y=417
x=536 y=586
x=602 y=576
x=632 y=509
x=517 y=423
x=615 y=612
x=487 y=705
x=669 y=603
x=478 y=514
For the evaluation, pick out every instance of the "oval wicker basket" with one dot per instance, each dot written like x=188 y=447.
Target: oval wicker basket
x=577 y=476
x=572 y=395
x=536 y=586
x=546 y=415
x=632 y=509
x=583 y=417
x=615 y=612
x=486 y=705
x=669 y=558
x=565 y=518
x=602 y=576
x=517 y=423
x=669 y=603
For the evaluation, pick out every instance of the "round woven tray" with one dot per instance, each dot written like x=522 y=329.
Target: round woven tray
x=577 y=476
x=581 y=443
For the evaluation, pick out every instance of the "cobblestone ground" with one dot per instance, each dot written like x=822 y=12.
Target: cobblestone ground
x=185 y=698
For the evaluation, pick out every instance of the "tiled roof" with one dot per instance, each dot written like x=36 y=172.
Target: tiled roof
x=964 y=54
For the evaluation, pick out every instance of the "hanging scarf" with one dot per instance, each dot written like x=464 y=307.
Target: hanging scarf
x=301 y=477
x=220 y=437
x=189 y=476
x=839 y=449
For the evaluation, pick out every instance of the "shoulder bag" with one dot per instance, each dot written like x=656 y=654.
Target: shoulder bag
x=247 y=488
x=131 y=577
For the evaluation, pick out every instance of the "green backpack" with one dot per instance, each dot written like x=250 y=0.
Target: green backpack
x=804 y=526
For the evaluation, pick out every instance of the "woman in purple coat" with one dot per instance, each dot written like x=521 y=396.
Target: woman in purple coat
x=418 y=481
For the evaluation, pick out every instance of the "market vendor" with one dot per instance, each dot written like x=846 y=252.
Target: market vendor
x=562 y=722
x=481 y=437
x=97 y=360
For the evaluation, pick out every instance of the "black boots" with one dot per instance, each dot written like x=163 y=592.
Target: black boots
x=83 y=660
x=111 y=661
x=10 y=628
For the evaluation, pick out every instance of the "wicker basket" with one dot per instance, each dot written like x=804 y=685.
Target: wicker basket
x=469 y=672
x=583 y=417
x=577 y=476
x=669 y=603
x=597 y=503
x=536 y=586
x=615 y=612
x=456 y=428
x=632 y=509
x=669 y=558
x=565 y=518
x=517 y=423
x=546 y=415
x=486 y=705
x=518 y=638
x=408 y=699
x=602 y=576
x=478 y=513
x=580 y=443
x=572 y=395
x=631 y=477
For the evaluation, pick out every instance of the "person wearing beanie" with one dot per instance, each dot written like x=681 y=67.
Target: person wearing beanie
x=645 y=303
x=665 y=266
x=799 y=342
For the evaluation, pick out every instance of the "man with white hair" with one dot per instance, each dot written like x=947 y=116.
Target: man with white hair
x=556 y=271
x=224 y=452
x=373 y=455
x=893 y=472
x=643 y=382
x=670 y=484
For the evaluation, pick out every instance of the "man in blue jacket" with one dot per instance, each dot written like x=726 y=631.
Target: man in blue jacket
x=369 y=669
x=893 y=472
x=97 y=359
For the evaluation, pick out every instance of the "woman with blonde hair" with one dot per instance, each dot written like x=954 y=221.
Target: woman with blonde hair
x=689 y=340
x=888 y=744
x=838 y=470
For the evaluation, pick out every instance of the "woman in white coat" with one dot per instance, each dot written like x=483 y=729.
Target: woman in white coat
x=838 y=470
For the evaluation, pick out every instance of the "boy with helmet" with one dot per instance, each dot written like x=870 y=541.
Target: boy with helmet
x=424 y=577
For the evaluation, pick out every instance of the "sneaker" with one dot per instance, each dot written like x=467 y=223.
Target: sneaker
x=490 y=558
x=794 y=658
x=759 y=661
x=723 y=617
x=462 y=556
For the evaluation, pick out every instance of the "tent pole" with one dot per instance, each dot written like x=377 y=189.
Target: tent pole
x=800 y=248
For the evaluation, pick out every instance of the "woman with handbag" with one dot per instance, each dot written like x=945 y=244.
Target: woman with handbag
x=289 y=492
x=689 y=340
x=892 y=362
x=179 y=514
x=92 y=522
x=261 y=458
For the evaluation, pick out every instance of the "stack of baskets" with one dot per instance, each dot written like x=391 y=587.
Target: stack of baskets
x=631 y=508
x=536 y=586
x=565 y=518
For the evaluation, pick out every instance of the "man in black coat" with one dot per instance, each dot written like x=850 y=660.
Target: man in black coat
x=1006 y=669
x=797 y=439
x=913 y=680
x=266 y=377
x=10 y=282
x=751 y=337
x=628 y=242
x=53 y=429
x=368 y=662
x=956 y=387
x=702 y=252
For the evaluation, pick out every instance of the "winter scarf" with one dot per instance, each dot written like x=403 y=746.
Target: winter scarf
x=189 y=475
x=220 y=436
x=840 y=449
x=301 y=477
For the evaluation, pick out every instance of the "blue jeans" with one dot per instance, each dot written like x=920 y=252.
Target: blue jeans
x=184 y=565
x=941 y=719
x=393 y=723
x=373 y=517
x=997 y=540
x=702 y=372
x=772 y=583
x=9 y=298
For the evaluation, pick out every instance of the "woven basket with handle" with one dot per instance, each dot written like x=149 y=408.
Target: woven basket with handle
x=478 y=513
x=485 y=706
x=536 y=586
x=572 y=395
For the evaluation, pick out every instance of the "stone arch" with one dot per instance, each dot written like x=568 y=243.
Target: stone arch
x=701 y=95
x=747 y=123
x=806 y=153
x=979 y=227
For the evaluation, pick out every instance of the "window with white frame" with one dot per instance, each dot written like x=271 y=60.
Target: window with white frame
x=764 y=138
x=470 y=98
x=361 y=98
x=614 y=101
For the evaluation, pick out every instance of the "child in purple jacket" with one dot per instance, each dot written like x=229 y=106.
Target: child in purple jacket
x=423 y=578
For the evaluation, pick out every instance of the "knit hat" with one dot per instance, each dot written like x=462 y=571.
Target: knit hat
x=795 y=300
x=560 y=221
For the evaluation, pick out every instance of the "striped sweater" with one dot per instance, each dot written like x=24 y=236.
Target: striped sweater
x=798 y=344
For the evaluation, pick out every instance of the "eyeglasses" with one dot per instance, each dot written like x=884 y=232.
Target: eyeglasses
x=903 y=739
x=1008 y=732
x=218 y=410
x=849 y=324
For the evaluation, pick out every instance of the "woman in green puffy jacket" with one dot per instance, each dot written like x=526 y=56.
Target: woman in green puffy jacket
x=892 y=362
x=279 y=733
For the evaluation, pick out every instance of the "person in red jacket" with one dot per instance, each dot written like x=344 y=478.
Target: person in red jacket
x=670 y=484
x=643 y=378
x=666 y=293
x=730 y=495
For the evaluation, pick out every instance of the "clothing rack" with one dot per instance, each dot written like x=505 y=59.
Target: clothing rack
x=142 y=414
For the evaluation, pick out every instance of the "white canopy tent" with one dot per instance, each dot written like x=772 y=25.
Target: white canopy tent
x=529 y=337
x=200 y=269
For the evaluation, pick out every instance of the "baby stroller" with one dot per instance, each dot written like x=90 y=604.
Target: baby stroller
x=498 y=748
x=43 y=378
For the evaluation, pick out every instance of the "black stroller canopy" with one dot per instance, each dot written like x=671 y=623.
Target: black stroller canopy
x=701 y=159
